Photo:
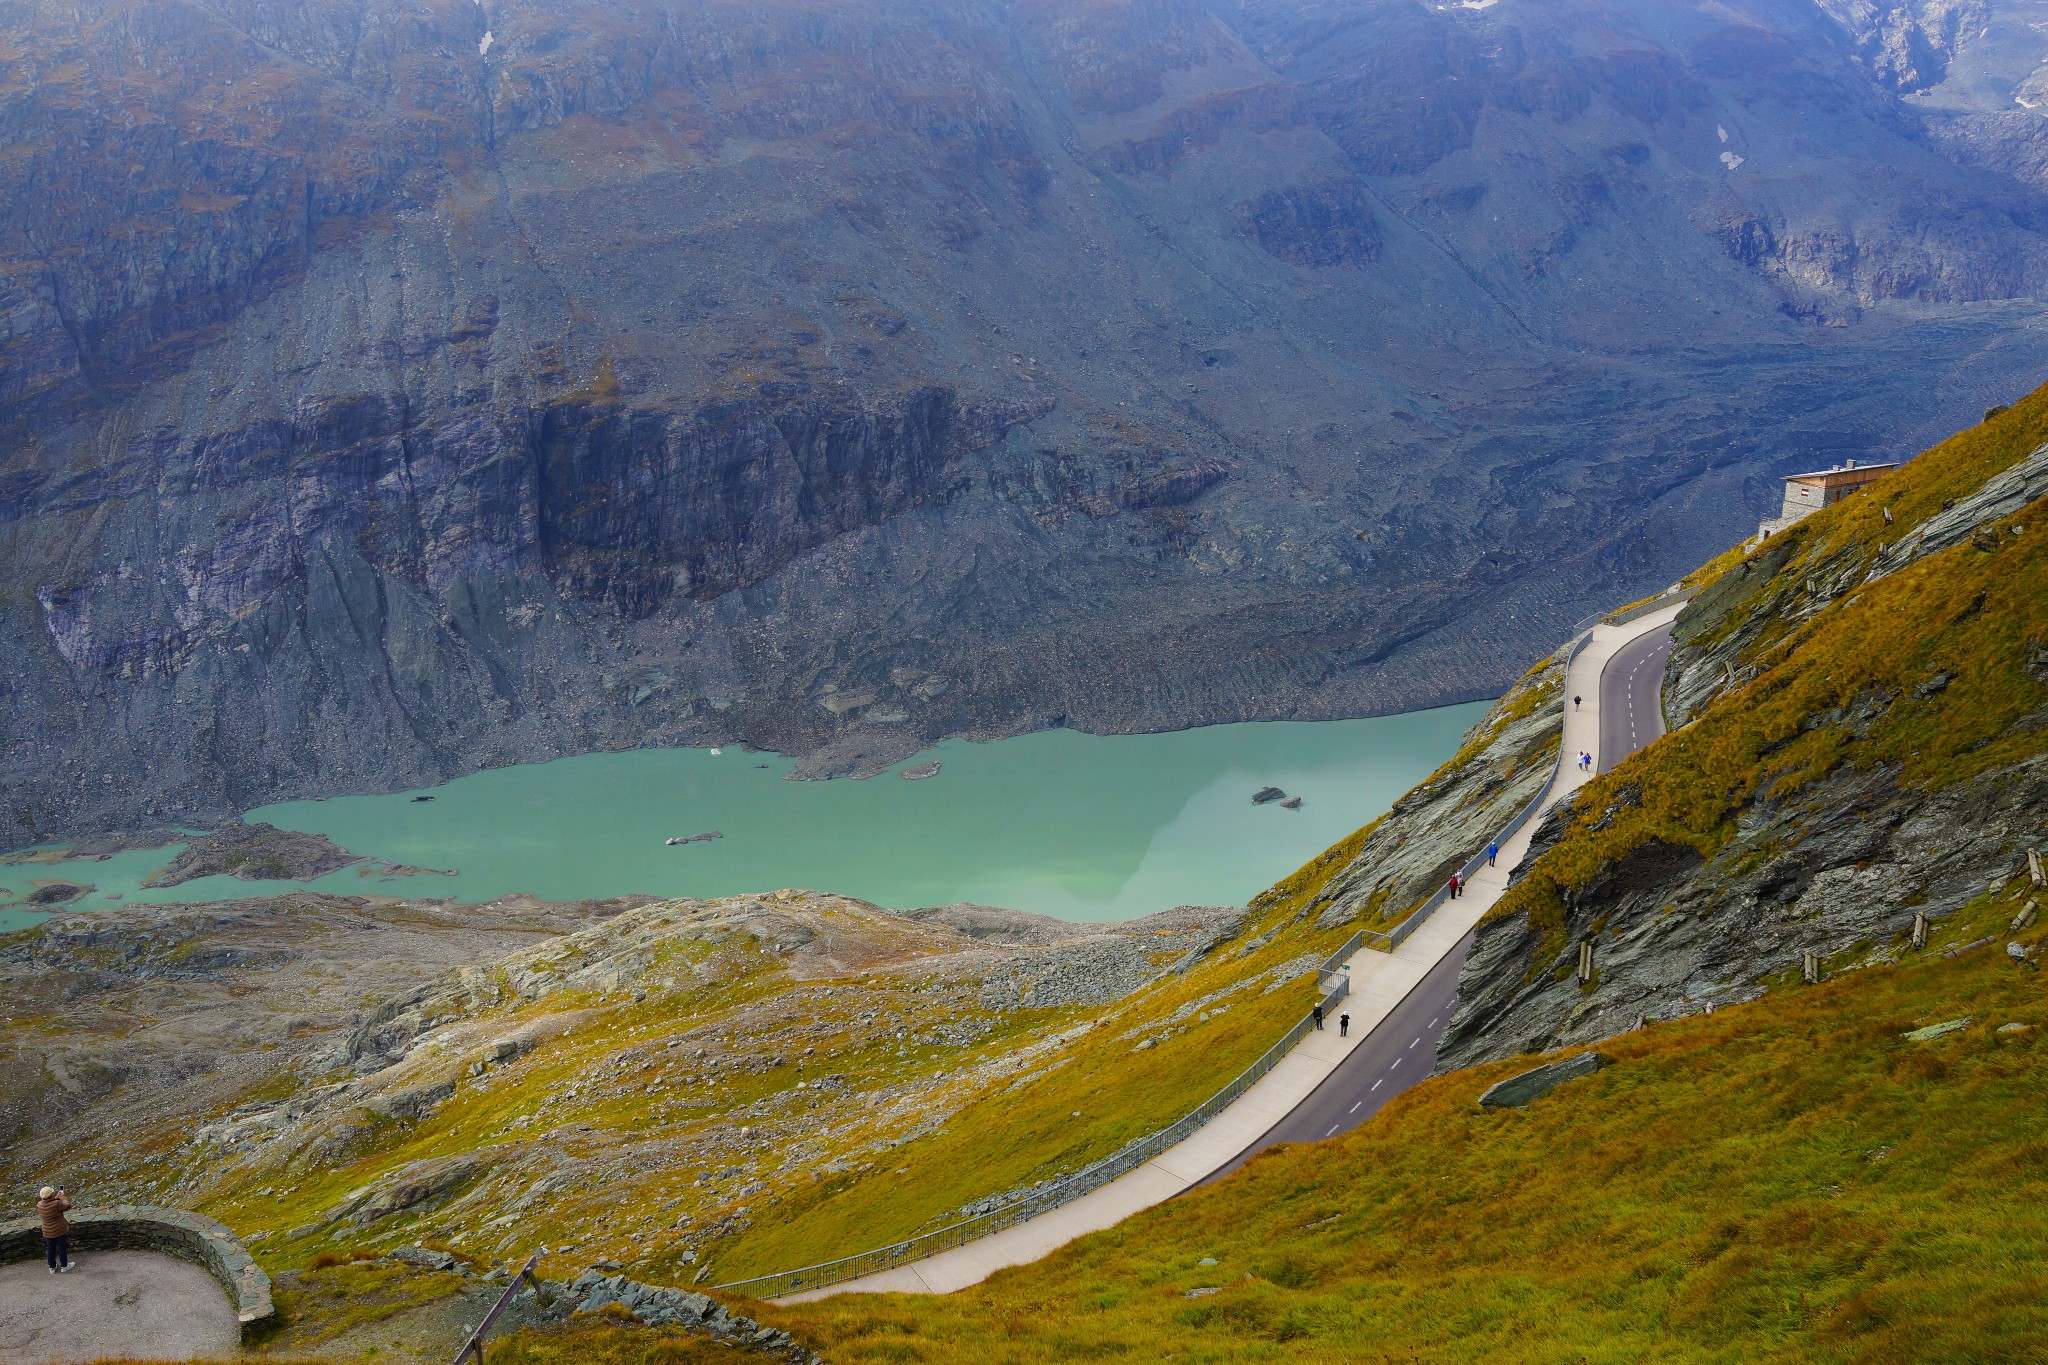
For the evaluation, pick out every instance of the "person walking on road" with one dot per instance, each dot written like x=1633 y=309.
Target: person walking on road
x=1451 y=886
x=1492 y=852
x=1343 y=1026
x=1575 y=703
x=1318 y=1016
x=51 y=1206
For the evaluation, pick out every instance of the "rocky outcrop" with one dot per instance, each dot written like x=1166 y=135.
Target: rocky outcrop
x=1850 y=861
x=593 y=1291
x=1530 y=1086
x=257 y=852
x=1434 y=830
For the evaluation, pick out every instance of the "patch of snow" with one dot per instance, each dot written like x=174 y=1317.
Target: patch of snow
x=1722 y=131
x=1480 y=4
x=1731 y=160
x=483 y=47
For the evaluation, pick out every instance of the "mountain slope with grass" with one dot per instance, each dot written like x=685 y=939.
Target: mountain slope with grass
x=1788 y=1180
x=1771 y=1169
x=1863 y=711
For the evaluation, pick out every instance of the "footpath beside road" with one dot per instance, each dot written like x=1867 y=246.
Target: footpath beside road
x=1380 y=982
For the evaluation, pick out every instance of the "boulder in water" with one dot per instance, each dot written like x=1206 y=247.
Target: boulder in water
x=1266 y=794
x=918 y=772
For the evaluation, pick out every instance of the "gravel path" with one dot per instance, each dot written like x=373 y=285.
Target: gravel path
x=113 y=1303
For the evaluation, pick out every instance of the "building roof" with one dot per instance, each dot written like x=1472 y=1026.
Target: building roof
x=1866 y=470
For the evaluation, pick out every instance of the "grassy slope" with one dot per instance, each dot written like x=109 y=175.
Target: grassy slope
x=999 y=1138
x=1966 y=611
x=1788 y=1180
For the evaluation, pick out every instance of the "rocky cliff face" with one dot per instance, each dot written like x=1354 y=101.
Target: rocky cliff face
x=1864 y=701
x=388 y=389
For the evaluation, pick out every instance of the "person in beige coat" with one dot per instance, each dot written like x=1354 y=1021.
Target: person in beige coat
x=51 y=1206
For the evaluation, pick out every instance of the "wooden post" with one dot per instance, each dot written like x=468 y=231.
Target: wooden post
x=1919 y=929
x=2034 y=867
x=1585 y=960
x=1810 y=967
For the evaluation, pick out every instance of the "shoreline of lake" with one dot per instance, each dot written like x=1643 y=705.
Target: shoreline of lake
x=1083 y=827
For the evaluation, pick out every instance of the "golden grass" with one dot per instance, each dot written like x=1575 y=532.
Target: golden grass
x=1788 y=1180
x=1968 y=613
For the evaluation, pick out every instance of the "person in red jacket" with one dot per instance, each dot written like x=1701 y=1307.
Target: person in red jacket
x=51 y=1206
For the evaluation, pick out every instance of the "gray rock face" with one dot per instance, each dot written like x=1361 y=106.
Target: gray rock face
x=1435 y=829
x=1686 y=934
x=662 y=1307
x=1516 y=1091
x=413 y=408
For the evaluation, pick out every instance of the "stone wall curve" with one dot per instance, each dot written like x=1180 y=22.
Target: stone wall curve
x=170 y=1232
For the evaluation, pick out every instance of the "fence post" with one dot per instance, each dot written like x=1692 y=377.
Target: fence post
x=1810 y=967
x=1585 y=960
x=1919 y=929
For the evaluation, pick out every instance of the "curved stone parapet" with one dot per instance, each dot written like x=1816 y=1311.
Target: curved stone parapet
x=170 y=1232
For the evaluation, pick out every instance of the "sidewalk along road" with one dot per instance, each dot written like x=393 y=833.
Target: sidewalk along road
x=1394 y=1056
x=1381 y=983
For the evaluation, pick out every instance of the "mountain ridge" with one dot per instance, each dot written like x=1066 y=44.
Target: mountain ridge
x=639 y=375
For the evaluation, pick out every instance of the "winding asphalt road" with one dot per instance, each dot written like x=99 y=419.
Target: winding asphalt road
x=1402 y=1050
x=1394 y=1056
x=1326 y=1084
x=1632 y=692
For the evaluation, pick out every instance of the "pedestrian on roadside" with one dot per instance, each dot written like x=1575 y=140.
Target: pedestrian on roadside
x=1575 y=703
x=1492 y=852
x=1343 y=1026
x=51 y=1206
x=1318 y=1016
x=1451 y=887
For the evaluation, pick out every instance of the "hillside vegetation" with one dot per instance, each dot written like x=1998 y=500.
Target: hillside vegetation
x=1863 y=703
x=1789 y=1180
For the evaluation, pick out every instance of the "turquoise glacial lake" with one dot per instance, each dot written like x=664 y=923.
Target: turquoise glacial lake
x=1085 y=827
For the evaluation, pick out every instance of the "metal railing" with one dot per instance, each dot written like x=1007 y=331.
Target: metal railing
x=474 y=1346
x=1064 y=1191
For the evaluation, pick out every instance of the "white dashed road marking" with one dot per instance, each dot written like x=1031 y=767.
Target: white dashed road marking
x=1376 y=1084
x=1333 y=1130
x=1355 y=1108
